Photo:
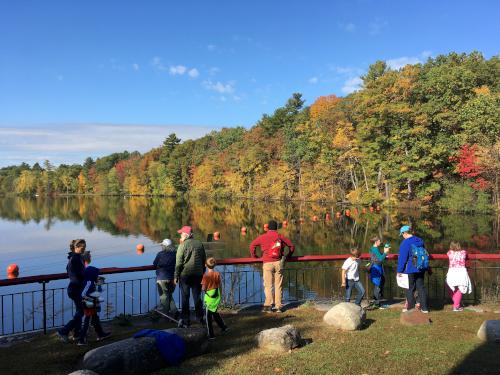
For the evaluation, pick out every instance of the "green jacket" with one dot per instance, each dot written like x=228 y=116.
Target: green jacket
x=190 y=260
x=212 y=299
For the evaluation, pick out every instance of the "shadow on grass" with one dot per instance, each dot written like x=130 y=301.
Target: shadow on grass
x=367 y=323
x=484 y=360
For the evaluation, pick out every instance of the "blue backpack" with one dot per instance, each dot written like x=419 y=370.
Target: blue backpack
x=420 y=257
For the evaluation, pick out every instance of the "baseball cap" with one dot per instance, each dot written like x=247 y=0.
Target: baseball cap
x=404 y=228
x=185 y=229
x=166 y=242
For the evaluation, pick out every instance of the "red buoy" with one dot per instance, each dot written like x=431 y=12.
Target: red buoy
x=216 y=236
x=315 y=218
x=372 y=209
x=12 y=268
x=328 y=217
x=285 y=223
x=363 y=210
x=243 y=229
x=337 y=215
x=139 y=247
x=347 y=212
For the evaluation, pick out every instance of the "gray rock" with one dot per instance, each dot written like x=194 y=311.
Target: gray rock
x=140 y=356
x=84 y=372
x=346 y=316
x=280 y=339
x=489 y=331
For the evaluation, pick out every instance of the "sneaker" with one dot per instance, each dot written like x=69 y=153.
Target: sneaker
x=211 y=338
x=64 y=338
x=383 y=307
x=404 y=310
x=267 y=309
x=104 y=336
x=424 y=311
x=279 y=310
x=182 y=324
x=458 y=309
x=82 y=342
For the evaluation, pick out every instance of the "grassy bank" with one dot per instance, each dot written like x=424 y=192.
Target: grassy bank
x=384 y=346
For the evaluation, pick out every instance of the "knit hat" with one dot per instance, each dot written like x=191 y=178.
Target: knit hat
x=166 y=242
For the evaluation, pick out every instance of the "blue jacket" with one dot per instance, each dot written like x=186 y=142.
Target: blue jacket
x=75 y=269
x=165 y=263
x=405 y=264
x=376 y=270
x=90 y=279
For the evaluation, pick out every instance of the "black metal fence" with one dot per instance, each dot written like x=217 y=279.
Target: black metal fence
x=49 y=307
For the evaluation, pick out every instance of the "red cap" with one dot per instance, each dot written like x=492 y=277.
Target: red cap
x=185 y=229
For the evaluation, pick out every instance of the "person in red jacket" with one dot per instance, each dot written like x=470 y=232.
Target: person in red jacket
x=272 y=246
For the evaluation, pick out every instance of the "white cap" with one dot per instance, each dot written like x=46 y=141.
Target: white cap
x=166 y=242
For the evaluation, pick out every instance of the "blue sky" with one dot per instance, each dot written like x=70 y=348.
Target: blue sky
x=111 y=75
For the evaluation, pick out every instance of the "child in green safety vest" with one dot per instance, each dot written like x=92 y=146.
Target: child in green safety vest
x=211 y=286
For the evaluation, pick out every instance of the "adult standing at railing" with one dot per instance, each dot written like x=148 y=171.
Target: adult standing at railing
x=75 y=269
x=410 y=249
x=272 y=246
x=189 y=270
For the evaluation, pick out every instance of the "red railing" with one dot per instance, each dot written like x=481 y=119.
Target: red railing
x=228 y=261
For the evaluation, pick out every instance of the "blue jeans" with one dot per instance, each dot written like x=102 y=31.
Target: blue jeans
x=359 y=288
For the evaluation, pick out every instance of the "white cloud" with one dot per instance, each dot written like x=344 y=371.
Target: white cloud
x=72 y=143
x=351 y=85
x=313 y=80
x=401 y=62
x=193 y=73
x=157 y=63
x=211 y=47
x=349 y=27
x=221 y=88
x=135 y=67
x=177 y=70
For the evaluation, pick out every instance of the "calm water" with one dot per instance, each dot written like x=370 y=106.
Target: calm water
x=35 y=232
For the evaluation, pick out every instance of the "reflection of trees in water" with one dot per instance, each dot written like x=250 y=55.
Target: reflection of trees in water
x=158 y=218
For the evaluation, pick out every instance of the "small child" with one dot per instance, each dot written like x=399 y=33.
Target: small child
x=211 y=286
x=377 y=276
x=457 y=278
x=91 y=301
x=350 y=276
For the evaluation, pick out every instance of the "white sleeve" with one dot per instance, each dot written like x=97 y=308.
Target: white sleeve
x=346 y=264
x=87 y=286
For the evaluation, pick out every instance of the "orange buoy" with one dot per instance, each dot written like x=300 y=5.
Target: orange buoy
x=315 y=218
x=12 y=268
x=328 y=217
x=266 y=227
x=378 y=208
x=372 y=209
x=216 y=236
x=140 y=247
x=356 y=211
x=13 y=275
x=243 y=229
x=301 y=220
x=363 y=210
x=285 y=223
x=347 y=212
x=337 y=215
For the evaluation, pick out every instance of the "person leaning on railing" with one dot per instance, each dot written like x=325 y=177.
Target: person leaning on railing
x=75 y=269
x=271 y=245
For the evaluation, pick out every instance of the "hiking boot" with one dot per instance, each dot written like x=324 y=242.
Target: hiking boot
x=104 y=336
x=63 y=337
x=267 y=309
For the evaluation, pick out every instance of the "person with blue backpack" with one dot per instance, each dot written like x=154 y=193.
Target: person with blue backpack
x=413 y=260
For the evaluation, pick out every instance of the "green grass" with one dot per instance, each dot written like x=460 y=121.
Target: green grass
x=448 y=346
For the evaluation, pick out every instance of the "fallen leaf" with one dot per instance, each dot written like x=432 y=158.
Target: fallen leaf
x=387 y=352
x=277 y=369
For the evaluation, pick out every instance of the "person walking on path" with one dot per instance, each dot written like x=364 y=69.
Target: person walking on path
x=457 y=278
x=92 y=301
x=272 y=246
x=75 y=269
x=211 y=286
x=350 y=277
x=189 y=270
x=164 y=264
x=408 y=264
x=377 y=275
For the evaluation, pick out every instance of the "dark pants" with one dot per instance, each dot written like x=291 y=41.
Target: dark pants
x=359 y=287
x=96 y=323
x=75 y=323
x=193 y=284
x=378 y=291
x=209 y=315
x=416 y=281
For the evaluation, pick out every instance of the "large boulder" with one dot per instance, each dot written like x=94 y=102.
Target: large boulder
x=346 y=316
x=414 y=318
x=281 y=339
x=140 y=355
x=489 y=331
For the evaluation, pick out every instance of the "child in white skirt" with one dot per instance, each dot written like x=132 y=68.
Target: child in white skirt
x=457 y=278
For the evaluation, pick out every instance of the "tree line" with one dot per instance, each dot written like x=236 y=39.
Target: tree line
x=422 y=135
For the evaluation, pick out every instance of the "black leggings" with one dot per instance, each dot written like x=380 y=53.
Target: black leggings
x=218 y=319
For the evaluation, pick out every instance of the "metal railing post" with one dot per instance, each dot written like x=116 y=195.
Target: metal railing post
x=44 y=306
